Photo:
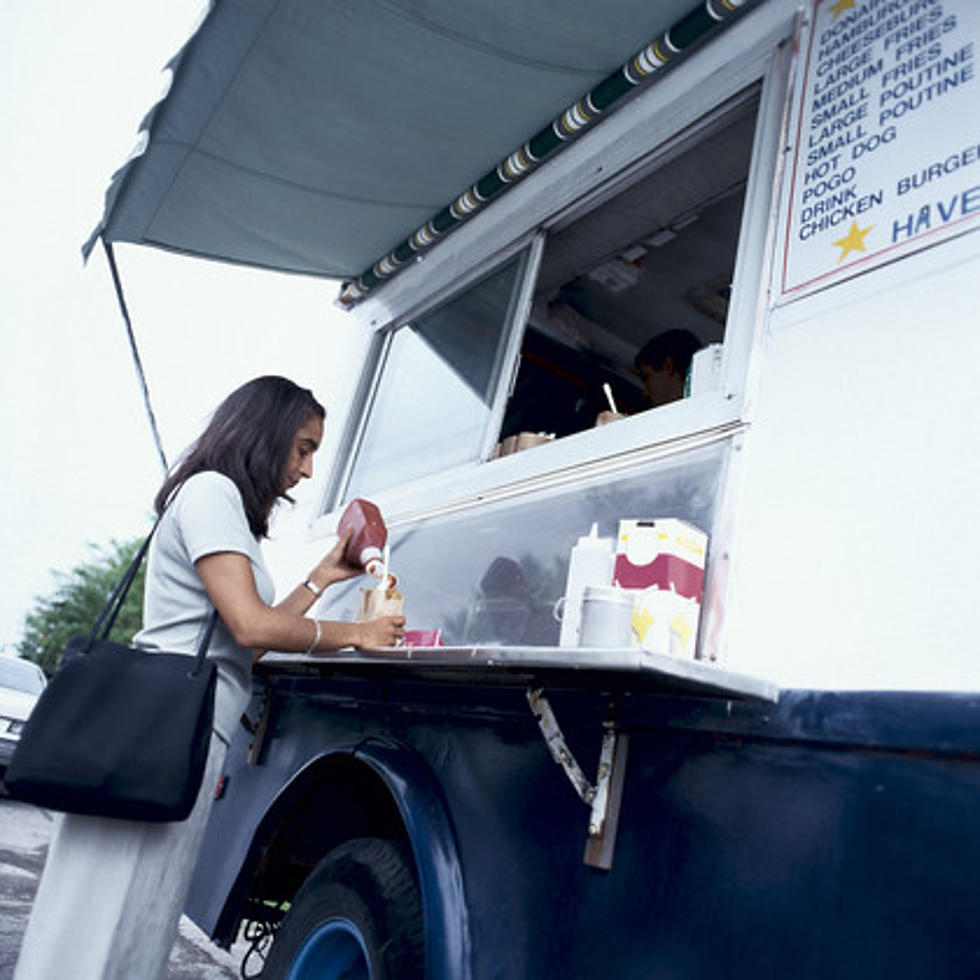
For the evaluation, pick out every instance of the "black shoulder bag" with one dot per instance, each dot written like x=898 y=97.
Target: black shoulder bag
x=119 y=731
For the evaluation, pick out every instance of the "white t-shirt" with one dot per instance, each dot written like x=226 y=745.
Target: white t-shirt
x=206 y=516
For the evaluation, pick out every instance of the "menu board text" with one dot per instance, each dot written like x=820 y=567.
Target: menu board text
x=887 y=135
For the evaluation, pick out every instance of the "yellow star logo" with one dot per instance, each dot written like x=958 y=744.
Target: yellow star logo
x=853 y=241
x=839 y=6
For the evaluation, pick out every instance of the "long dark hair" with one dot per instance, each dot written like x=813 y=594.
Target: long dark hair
x=249 y=439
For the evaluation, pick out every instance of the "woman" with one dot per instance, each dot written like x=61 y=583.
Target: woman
x=112 y=890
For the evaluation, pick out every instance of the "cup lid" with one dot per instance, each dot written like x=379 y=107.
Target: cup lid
x=608 y=593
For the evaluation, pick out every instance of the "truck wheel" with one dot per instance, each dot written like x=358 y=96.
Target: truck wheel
x=357 y=916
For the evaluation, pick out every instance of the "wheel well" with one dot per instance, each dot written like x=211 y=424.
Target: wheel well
x=334 y=799
x=382 y=789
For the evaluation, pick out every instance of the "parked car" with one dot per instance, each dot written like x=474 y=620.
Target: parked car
x=21 y=683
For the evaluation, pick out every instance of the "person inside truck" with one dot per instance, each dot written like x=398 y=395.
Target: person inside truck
x=663 y=364
x=113 y=890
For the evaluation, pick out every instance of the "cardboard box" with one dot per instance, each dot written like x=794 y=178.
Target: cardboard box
x=664 y=558
x=667 y=553
x=665 y=622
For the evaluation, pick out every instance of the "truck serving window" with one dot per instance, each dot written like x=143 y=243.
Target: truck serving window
x=652 y=264
x=523 y=356
x=510 y=362
x=433 y=398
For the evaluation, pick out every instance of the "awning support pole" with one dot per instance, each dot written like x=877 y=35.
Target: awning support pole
x=134 y=350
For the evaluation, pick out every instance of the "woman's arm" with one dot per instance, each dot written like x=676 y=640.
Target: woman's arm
x=227 y=576
x=331 y=568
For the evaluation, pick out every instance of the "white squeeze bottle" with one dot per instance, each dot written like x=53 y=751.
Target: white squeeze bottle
x=590 y=563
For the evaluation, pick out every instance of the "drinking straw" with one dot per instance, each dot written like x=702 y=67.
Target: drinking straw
x=609 y=397
x=383 y=584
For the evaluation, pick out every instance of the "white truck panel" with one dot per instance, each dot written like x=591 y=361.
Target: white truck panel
x=855 y=562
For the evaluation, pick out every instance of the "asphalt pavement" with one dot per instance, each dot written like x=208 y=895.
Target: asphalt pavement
x=24 y=834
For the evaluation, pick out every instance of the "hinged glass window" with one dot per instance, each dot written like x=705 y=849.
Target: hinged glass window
x=621 y=302
x=435 y=393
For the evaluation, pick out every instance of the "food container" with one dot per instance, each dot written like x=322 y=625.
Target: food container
x=363 y=522
x=380 y=601
x=667 y=553
x=607 y=614
x=590 y=563
x=521 y=441
x=705 y=372
x=423 y=638
x=665 y=560
x=665 y=622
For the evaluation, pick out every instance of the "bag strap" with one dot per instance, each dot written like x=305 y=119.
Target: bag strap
x=107 y=618
x=202 y=649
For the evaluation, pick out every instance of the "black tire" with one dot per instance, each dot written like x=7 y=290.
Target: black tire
x=366 y=888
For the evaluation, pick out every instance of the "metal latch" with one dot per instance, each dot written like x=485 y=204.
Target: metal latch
x=259 y=730
x=605 y=796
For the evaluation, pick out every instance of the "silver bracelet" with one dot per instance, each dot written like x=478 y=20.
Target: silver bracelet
x=316 y=638
x=317 y=592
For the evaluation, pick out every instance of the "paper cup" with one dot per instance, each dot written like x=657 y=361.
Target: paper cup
x=607 y=614
x=379 y=602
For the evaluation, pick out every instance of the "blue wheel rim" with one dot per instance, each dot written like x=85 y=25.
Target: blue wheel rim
x=335 y=950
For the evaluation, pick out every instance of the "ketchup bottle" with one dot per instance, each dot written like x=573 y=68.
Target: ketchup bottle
x=368 y=535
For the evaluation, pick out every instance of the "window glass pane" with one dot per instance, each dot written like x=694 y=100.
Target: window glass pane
x=653 y=263
x=493 y=576
x=435 y=393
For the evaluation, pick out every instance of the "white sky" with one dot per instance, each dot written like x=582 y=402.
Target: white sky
x=77 y=462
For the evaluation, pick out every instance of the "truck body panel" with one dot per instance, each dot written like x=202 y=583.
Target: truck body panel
x=827 y=835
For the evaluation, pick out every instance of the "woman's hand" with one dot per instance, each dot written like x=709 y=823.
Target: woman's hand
x=385 y=631
x=333 y=566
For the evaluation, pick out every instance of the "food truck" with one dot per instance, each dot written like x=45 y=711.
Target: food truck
x=516 y=198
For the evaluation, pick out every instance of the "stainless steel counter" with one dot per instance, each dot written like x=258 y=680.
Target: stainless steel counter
x=616 y=667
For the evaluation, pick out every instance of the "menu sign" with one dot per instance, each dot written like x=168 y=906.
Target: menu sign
x=886 y=155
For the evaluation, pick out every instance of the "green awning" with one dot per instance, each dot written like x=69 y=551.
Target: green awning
x=322 y=136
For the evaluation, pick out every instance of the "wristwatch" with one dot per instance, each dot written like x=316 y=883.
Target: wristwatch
x=317 y=592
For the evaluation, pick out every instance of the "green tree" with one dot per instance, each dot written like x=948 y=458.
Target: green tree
x=77 y=601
